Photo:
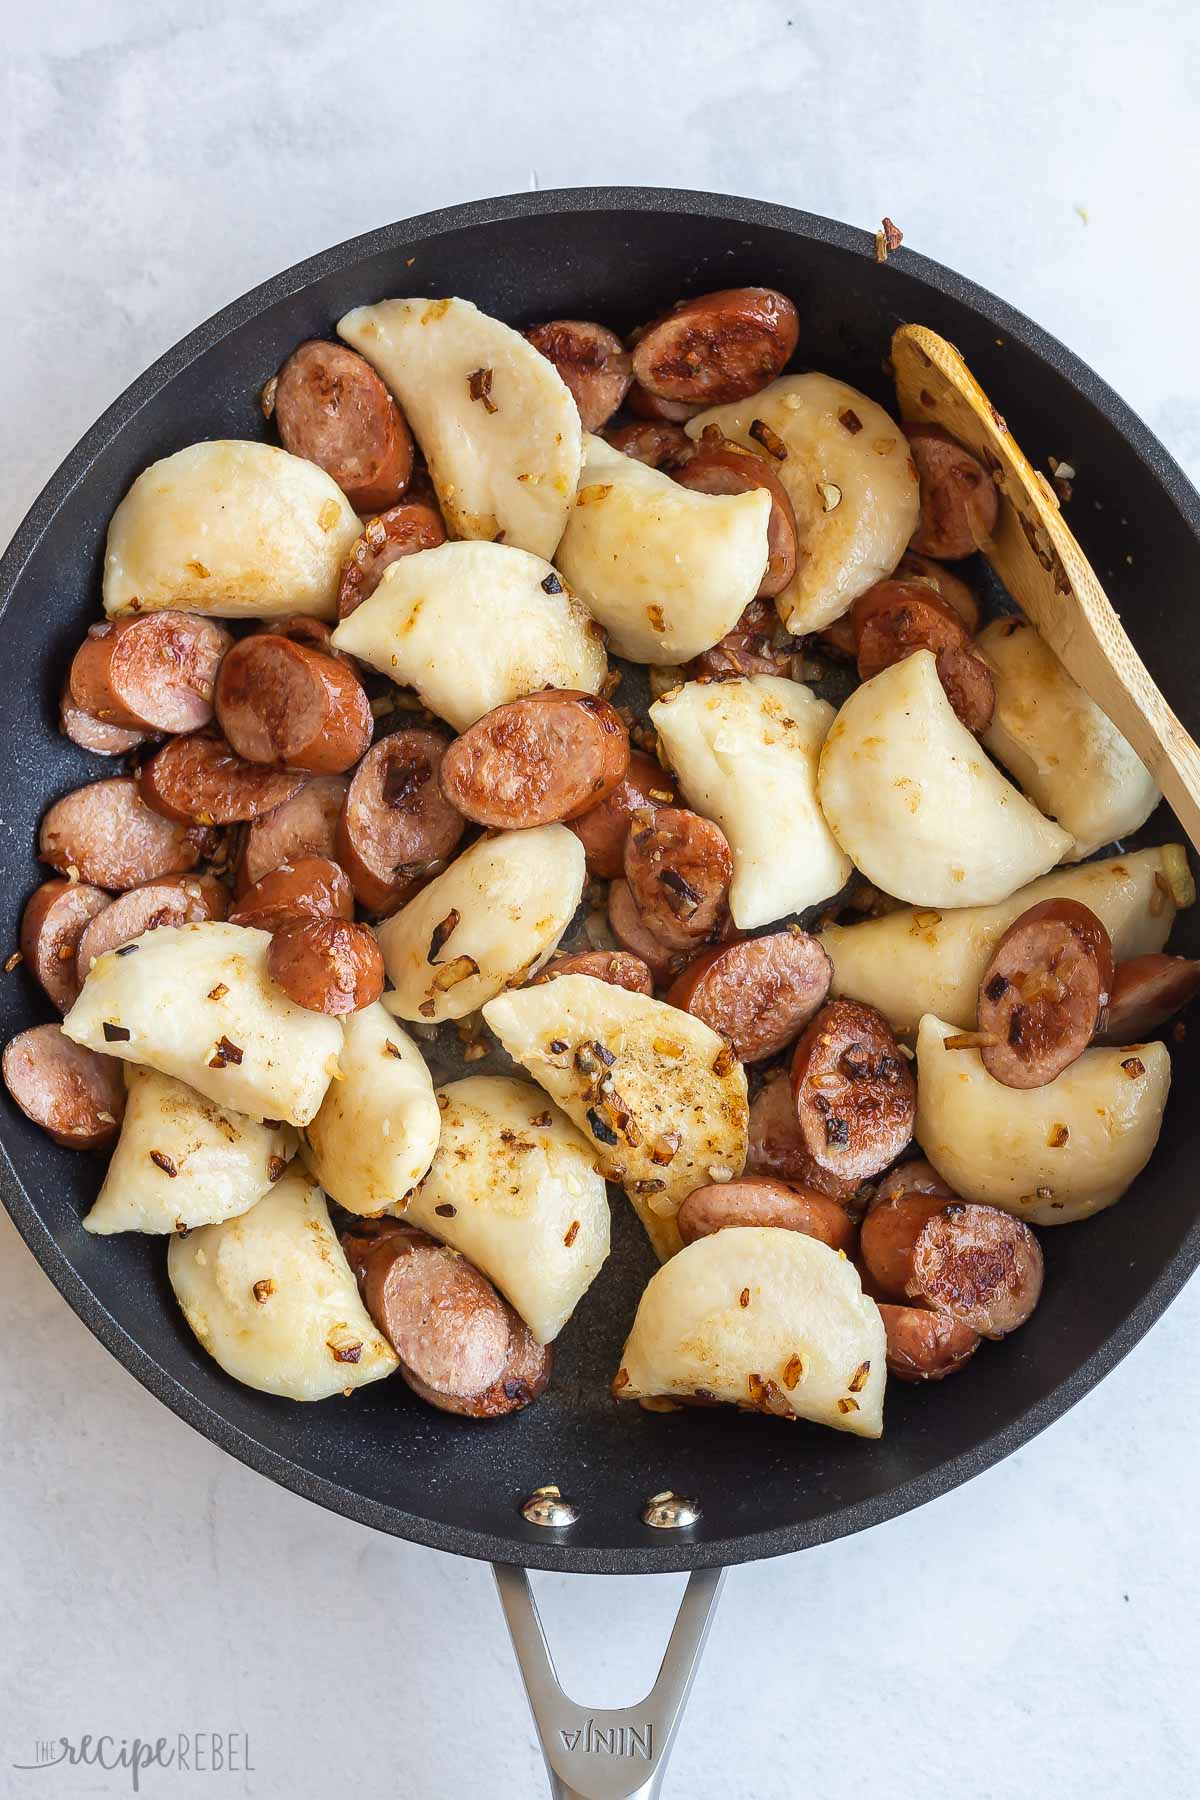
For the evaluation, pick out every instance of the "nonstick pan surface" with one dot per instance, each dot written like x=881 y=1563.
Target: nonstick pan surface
x=382 y=1458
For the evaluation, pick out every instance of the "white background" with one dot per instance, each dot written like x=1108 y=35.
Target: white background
x=1034 y=1633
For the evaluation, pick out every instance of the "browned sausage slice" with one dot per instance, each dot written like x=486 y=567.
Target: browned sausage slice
x=332 y=409
x=171 y=900
x=968 y=685
x=305 y=825
x=93 y=734
x=603 y=828
x=401 y=531
x=722 y=467
x=632 y=933
x=106 y=834
x=776 y=1147
x=76 y=1095
x=914 y=1177
x=278 y=702
x=923 y=1345
x=444 y=1320
x=154 y=673
x=538 y=760
x=764 y=1202
x=980 y=1265
x=838 y=640
x=855 y=1093
x=756 y=645
x=679 y=867
x=200 y=778
x=327 y=965
x=396 y=825
x=718 y=347
x=658 y=445
x=645 y=405
x=889 y=1235
x=592 y=361
x=951 y=587
x=759 y=993
x=1146 y=992
x=895 y=618
x=618 y=967
x=959 y=501
x=55 y=918
x=1045 y=992
x=302 y=628
x=310 y=888
x=525 y=1376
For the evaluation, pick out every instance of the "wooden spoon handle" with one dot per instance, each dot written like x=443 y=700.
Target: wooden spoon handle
x=1037 y=557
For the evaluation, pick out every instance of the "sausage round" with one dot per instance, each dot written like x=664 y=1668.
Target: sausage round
x=968 y=685
x=889 y=1235
x=721 y=467
x=74 y=1094
x=924 y=1345
x=679 y=867
x=524 y=1377
x=302 y=628
x=93 y=734
x=278 y=702
x=396 y=824
x=855 y=1093
x=305 y=825
x=603 y=828
x=444 y=1320
x=592 y=361
x=634 y=935
x=914 y=1177
x=645 y=405
x=618 y=967
x=106 y=833
x=327 y=965
x=1045 y=992
x=980 y=1265
x=310 y=888
x=1146 y=992
x=776 y=1148
x=171 y=900
x=894 y=618
x=752 y=647
x=55 y=918
x=764 y=1202
x=401 y=531
x=951 y=587
x=717 y=347
x=959 y=501
x=535 y=761
x=759 y=993
x=332 y=409
x=201 y=779
x=155 y=673
x=658 y=445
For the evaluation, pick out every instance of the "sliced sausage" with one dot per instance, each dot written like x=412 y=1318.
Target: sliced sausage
x=279 y=702
x=959 y=500
x=776 y=1147
x=722 y=467
x=76 y=1095
x=201 y=778
x=1146 y=992
x=1045 y=992
x=603 y=829
x=312 y=887
x=679 y=867
x=658 y=445
x=759 y=993
x=634 y=935
x=525 y=1376
x=914 y=1177
x=538 y=760
x=618 y=967
x=332 y=409
x=924 y=1345
x=951 y=587
x=718 y=347
x=171 y=900
x=302 y=628
x=838 y=640
x=645 y=405
x=592 y=361
x=889 y=1235
x=155 y=673
x=396 y=825
x=327 y=965
x=980 y=1265
x=401 y=531
x=855 y=1093
x=756 y=645
x=764 y=1202
x=111 y=839
x=93 y=734
x=895 y=618
x=968 y=685
x=305 y=825
x=55 y=918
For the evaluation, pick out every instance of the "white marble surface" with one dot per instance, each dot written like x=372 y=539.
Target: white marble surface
x=1034 y=1633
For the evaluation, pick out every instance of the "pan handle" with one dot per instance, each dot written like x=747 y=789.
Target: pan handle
x=607 y=1754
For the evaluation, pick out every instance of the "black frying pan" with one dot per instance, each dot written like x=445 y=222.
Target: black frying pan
x=618 y=255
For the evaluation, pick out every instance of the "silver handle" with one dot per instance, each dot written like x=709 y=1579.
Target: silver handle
x=607 y=1754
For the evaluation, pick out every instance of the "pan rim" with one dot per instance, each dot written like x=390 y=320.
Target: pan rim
x=525 y=1545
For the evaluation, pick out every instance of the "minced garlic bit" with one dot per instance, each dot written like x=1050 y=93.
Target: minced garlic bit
x=744 y=1297
x=770 y=440
x=848 y=1405
x=831 y=495
x=346 y=1353
x=858 y=1380
x=267 y=398
x=1058 y=1136
x=1133 y=1067
x=219 y=992
x=13 y=962
x=572 y=1233
x=263 y=1290
x=162 y=1161
x=793 y=1371
x=888 y=238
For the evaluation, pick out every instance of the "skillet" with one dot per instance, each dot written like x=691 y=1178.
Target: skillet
x=619 y=255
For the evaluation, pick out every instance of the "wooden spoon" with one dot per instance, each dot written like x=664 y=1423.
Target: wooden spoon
x=1036 y=556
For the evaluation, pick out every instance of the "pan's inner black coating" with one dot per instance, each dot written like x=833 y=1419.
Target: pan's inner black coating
x=381 y=1456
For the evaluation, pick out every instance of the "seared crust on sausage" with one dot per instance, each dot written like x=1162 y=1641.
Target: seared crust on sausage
x=332 y=408
x=722 y=467
x=679 y=867
x=1045 y=992
x=959 y=499
x=592 y=361
x=759 y=993
x=201 y=779
x=924 y=1345
x=536 y=761
x=717 y=347
x=396 y=827
x=603 y=828
x=153 y=673
x=168 y=900
x=74 y=1094
x=618 y=967
x=312 y=887
x=327 y=965
x=980 y=1265
x=855 y=1093
x=280 y=702
x=400 y=531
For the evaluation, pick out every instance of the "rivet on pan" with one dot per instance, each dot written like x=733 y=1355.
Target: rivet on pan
x=670 y=1512
x=546 y=1507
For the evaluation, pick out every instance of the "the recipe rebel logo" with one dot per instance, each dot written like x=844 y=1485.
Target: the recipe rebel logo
x=186 y=1752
